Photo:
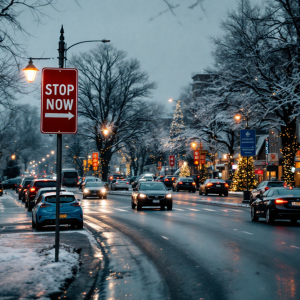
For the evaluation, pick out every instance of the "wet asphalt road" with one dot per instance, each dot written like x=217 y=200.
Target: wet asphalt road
x=199 y=251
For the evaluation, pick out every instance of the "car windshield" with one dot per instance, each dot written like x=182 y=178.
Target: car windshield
x=186 y=179
x=217 y=180
x=148 y=178
x=90 y=179
x=275 y=184
x=63 y=199
x=45 y=184
x=27 y=182
x=152 y=186
x=70 y=174
x=288 y=192
x=94 y=184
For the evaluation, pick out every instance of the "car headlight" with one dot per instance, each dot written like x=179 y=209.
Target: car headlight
x=142 y=196
x=103 y=191
x=86 y=190
x=169 y=196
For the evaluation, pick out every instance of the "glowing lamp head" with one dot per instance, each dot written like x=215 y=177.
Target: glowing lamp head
x=13 y=156
x=237 y=117
x=194 y=145
x=105 y=131
x=30 y=71
x=170 y=100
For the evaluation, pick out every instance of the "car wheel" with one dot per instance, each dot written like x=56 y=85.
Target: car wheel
x=37 y=225
x=220 y=194
x=104 y=197
x=132 y=204
x=294 y=221
x=29 y=208
x=254 y=217
x=177 y=190
x=269 y=217
x=32 y=223
x=206 y=193
x=84 y=197
x=26 y=204
x=23 y=199
x=170 y=206
x=80 y=225
x=200 y=192
x=139 y=206
x=19 y=197
x=194 y=191
x=226 y=194
x=162 y=207
x=127 y=190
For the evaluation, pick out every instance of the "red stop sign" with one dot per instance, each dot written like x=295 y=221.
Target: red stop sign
x=59 y=101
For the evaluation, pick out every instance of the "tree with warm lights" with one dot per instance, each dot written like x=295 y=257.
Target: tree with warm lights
x=239 y=182
x=203 y=173
x=184 y=170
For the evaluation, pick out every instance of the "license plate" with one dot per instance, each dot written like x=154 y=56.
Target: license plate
x=94 y=193
x=218 y=185
x=63 y=216
x=155 y=201
x=296 y=203
x=187 y=183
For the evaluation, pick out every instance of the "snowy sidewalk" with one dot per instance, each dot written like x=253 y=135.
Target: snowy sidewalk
x=28 y=270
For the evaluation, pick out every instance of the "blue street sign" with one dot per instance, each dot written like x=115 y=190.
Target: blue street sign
x=267 y=146
x=248 y=142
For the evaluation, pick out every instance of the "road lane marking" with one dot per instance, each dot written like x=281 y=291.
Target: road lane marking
x=295 y=247
x=96 y=227
x=209 y=209
x=164 y=237
x=177 y=208
x=105 y=210
x=247 y=232
x=120 y=209
x=234 y=229
x=193 y=209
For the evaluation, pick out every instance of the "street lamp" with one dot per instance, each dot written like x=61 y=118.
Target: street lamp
x=13 y=156
x=52 y=152
x=30 y=71
x=237 y=117
x=105 y=131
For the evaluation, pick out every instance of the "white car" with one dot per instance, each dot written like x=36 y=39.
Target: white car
x=119 y=184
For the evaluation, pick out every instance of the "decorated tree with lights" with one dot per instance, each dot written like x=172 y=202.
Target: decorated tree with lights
x=288 y=151
x=176 y=143
x=203 y=173
x=239 y=182
x=184 y=170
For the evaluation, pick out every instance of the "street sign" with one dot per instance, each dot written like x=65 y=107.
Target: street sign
x=95 y=158
x=172 y=160
x=267 y=146
x=248 y=142
x=59 y=101
x=203 y=159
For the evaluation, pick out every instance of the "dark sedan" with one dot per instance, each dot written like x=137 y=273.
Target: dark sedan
x=277 y=203
x=94 y=189
x=264 y=186
x=11 y=183
x=214 y=186
x=184 y=184
x=151 y=193
x=169 y=180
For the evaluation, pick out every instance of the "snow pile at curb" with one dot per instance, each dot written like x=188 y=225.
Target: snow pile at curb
x=31 y=273
x=223 y=203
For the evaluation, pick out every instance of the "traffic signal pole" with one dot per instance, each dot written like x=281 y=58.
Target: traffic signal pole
x=61 y=59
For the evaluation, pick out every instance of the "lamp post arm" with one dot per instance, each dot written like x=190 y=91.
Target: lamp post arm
x=91 y=41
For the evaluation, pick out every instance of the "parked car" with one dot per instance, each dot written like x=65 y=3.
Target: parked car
x=25 y=183
x=184 y=183
x=262 y=187
x=277 y=203
x=11 y=183
x=119 y=184
x=151 y=193
x=214 y=186
x=45 y=211
x=40 y=193
x=95 y=189
x=169 y=180
x=35 y=185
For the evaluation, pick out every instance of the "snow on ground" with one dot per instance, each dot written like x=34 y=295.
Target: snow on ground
x=28 y=271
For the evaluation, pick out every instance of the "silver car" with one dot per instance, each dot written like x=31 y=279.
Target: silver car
x=119 y=184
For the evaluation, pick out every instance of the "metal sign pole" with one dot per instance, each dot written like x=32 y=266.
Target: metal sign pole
x=61 y=57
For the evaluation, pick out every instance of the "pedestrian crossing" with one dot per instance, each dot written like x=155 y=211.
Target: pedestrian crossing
x=110 y=210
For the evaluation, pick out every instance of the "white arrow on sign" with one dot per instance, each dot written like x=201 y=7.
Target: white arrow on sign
x=54 y=115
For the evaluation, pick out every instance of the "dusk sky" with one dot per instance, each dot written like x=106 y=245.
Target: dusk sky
x=170 y=48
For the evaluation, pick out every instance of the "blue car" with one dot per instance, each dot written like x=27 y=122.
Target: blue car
x=43 y=213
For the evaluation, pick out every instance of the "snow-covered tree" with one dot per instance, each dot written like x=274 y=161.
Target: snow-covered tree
x=184 y=170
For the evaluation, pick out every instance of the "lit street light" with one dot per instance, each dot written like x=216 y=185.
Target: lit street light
x=13 y=157
x=30 y=71
x=52 y=152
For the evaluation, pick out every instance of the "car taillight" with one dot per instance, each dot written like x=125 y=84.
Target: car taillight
x=226 y=185
x=166 y=179
x=32 y=189
x=280 y=201
x=180 y=182
x=209 y=184
x=25 y=190
x=76 y=204
x=44 y=205
x=116 y=183
x=127 y=182
x=194 y=183
x=267 y=188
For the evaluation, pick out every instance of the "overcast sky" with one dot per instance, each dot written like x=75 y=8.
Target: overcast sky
x=170 y=48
